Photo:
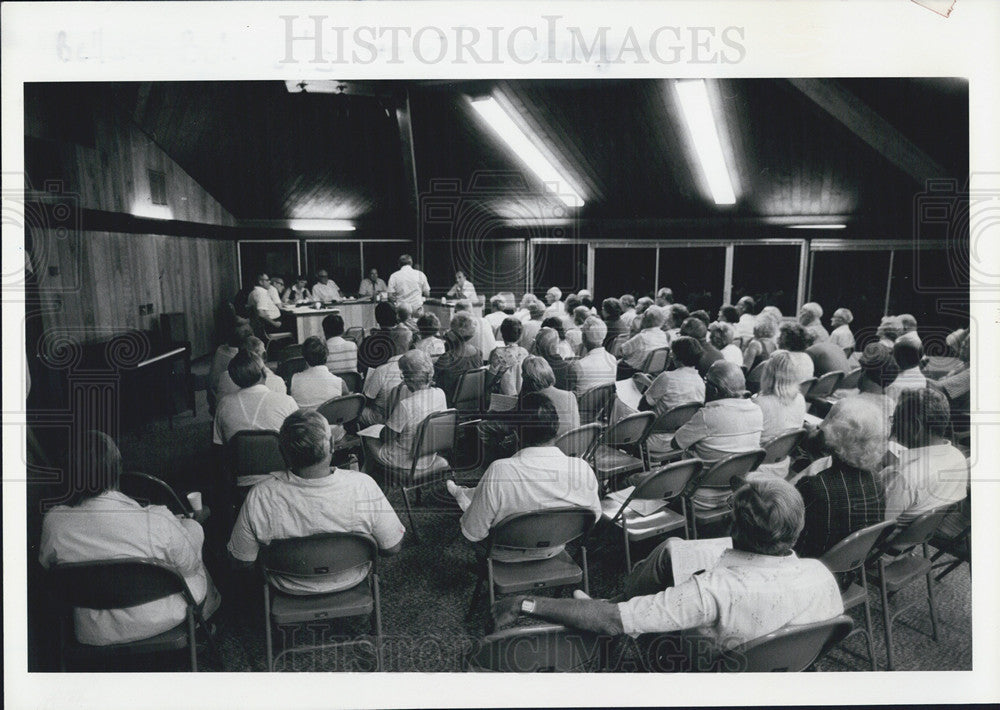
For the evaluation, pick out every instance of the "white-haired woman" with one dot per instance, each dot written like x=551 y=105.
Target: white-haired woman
x=721 y=336
x=765 y=342
x=841 y=335
x=844 y=493
x=782 y=404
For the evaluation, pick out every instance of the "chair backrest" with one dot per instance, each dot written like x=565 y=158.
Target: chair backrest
x=578 y=442
x=852 y=552
x=291 y=366
x=789 y=649
x=116 y=584
x=781 y=445
x=669 y=481
x=753 y=377
x=806 y=386
x=675 y=417
x=850 y=380
x=632 y=429
x=719 y=473
x=616 y=346
x=595 y=403
x=289 y=351
x=535 y=649
x=436 y=434
x=150 y=490
x=542 y=528
x=318 y=555
x=656 y=361
x=343 y=409
x=826 y=385
x=919 y=531
x=355 y=334
x=470 y=390
x=395 y=395
x=352 y=380
x=256 y=453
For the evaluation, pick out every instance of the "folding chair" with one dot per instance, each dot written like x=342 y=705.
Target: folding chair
x=342 y=410
x=954 y=537
x=849 y=556
x=907 y=567
x=610 y=461
x=536 y=649
x=669 y=422
x=532 y=531
x=790 y=649
x=661 y=486
x=435 y=435
x=273 y=341
x=253 y=455
x=289 y=351
x=352 y=380
x=122 y=584
x=355 y=334
x=315 y=557
x=753 y=377
x=780 y=446
x=150 y=490
x=470 y=391
x=806 y=386
x=291 y=366
x=850 y=380
x=824 y=386
x=595 y=403
x=579 y=442
x=656 y=361
x=719 y=475
x=616 y=346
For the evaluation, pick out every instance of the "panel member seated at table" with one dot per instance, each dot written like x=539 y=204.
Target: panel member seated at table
x=255 y=346
x=324 y=289
x=298 y=291
x=262 y=306
x=462 y=289
x=341 y=354
x=371 y=286
x=757 y=587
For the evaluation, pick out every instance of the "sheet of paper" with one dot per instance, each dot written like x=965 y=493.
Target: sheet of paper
x=374 y=431
x=690 y=556
x=628 y=393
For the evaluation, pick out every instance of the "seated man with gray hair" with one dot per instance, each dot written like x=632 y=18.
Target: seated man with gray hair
x=650 y=337
x=757 y=587
x=597 y=366
x=460 y=354
x=841 y=335
x=909 y=325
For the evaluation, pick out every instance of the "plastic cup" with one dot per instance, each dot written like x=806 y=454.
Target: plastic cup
x=194 y=499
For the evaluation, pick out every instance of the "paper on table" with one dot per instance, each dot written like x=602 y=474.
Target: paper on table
x=374 y=431
x=628 y=393
x=690 y=556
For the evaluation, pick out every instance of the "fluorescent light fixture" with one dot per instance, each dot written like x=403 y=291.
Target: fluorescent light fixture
x=524 y=147
x=817 y=226
x=321 y=225
x=700 y=121
x=148 y=210
x=315 y=86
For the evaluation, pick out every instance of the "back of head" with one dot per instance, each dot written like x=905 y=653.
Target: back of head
x=403 y=312
x=246 y=369
x=463 y=326
x=463 y=306
x=687 y=351
x=768 y=515
x=572 y=302
x=890 y=328
x=536 y=374
x=702 y=315
x=314 y=351
x=765 y=327
x=844 y=314
x=255 y=345
x=727 y=378
x=385 y=314
x=536 y=310
x=580 y=314
x=907 y=354
x=612 y=308
x=919 y=416
x=99 y=466
x=856 y=430
x=878 y=364
x=652 y=317
x=333 y=325
x=555 y=292
x=721 y=334
x=239 y=335
x=497 y=303
x=908 y=322
x=417 y=365
x=555 y=323
x=546 y=342
x=402 y=338
x=729 y=314
x=405 y=260
x=746 y=304
x=678 y=314
x=694 y=328
x=793 y=337
x=540 y=421
x=642 y=304
x=810 y=313
x=428 y=325
x=772 y=312
x=665 y=295
x=594 y=331
x=780 y=377
x=511 y=329
x=628 y=301
x=304 y=439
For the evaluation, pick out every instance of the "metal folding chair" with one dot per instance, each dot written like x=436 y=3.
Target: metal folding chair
x=470 y=391
x=595 y=403
x=352 y=380
x=719 y=475
x=355 y=334
x=669 y=422
x=824 y=386
x=790 y=649
x=150 y=490
x=806 y=386
x=655 y=361
x=536 y=649
x=579 y=442
x=610 y=461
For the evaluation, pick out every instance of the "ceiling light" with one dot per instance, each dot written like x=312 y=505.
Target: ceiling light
x=524 y=147
x=817 y=226
x=321 y=225
x=315 y=86
x=700 y=122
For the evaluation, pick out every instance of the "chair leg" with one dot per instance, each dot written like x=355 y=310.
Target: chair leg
x=409 y=515
x=378 y=622
x=191 y=641
x=267 y=628
x=628 y=553
x=886 y=617
x=586 y=575
x=869 y=631
x=930 y=599
x=476 y=594
x=489 y=582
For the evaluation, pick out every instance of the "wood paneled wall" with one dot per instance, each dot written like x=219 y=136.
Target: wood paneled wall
x=102 y=278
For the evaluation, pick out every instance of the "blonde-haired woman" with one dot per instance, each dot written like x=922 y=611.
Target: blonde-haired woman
x=781 y=402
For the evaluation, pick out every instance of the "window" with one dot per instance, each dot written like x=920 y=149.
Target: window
x=157 y=187
x=561 y=265
x=619 y=270
x=340 y=259
x=923 y=283
x=695 y=274
x=768 y=273
x=854 y=280
x=275 y=258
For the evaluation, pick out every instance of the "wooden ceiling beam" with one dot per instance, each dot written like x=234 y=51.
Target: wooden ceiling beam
x=870 y=127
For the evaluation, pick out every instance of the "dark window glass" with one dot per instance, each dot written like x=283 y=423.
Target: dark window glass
x=928 y=284
x=342 y=261
x=695 y=274
x=854 y=280
x=624 y=270
x=767 y=273
x=273 y=258
x=561 y=265
x=383 y=256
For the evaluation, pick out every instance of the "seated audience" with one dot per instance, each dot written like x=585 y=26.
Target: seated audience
x=537 y=477
x=956 y=385
x=907 y=356
x=522 y=311
x=102 y=523
x=566 y=371
x=908 y=325
x=693 y=327
x=720 y=335
x=255 y=346
x=745 y=325
x=533 y=324
x=702 y=315
x=794 y=339
x=888 y=330
x=675 y=316
x=764 y=342
x=841 y=335
x=381 y=381
x=878 y=369
x=781 y=404
x=827 y=356
x=649 y=338
x=611 y=313
x=931 y=472
x=504 y=375
x=563 y=348
x=220 y=361
x=844 y=493
x=253 y=406
x=460 y=354
x=628 y=310
x=674 y=387
x=342 y=354
x=311 y=387
x=756 y=588
x=498 y=312
x=809 y=317
x=379 y=345
x=574 y=335
x=664 y=296
x=312 y=498
x=427 y=340
x=597 y=366
x=483 y=339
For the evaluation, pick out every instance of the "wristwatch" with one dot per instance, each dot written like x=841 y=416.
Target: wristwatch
x=528 y=606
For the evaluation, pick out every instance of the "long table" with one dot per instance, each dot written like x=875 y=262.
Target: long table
x=309 y=321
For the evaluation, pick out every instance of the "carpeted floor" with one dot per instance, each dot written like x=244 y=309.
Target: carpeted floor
x=427 y=588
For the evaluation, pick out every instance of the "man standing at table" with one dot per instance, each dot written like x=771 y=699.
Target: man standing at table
x=408 y=285
x=325 y=290
x=372 y=286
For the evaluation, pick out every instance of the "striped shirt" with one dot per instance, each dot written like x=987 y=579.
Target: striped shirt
x=839 y=501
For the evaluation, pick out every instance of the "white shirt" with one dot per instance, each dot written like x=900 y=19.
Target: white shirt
x=326 y=292
x=468 y=291
x=779 y=416
x=722 y=427
x=494 y=320
x=842 y=336
x=627 y=317
x=254 y=407
x=259 y=301
x=405 y=419
x=912 y=379
x=925 y=478
x=483 y=339
x=743 y=597
x=112 y=526
x=598 y=367
x=367 y=288
x=409 y=286
x=312 y=387
x=803 y=364
x=745 y=325
x=275 y=296
x=674 y=387
x=286 y=506
x=226 y=385
x=732 y=353
x=379 y=385
x=635 y=349
x=342 y=355
x=535 y=478
x=433 y=346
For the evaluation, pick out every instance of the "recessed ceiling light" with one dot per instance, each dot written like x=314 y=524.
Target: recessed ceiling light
x=817 y=226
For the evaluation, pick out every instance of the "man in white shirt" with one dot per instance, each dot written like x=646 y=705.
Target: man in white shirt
x=744 y=327
x=537 y=477
x=312 y=387
x=498 y=312
x=598 y=366
x=841 y=336
x=463 y=288
x=382 y=380
x=757 y=587
x=342 y=354
x=262 y=305
x=275 y=289
x=253 y=345
x=325 y=290
x=408 y=285
x=650 y=338
x=372 y=286
x=554 y=304
x=907 y=356
x=254 y=406
x=909 y=325
x=313 y=498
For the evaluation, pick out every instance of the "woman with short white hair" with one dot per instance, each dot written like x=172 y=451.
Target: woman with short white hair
x=721 y=336
x=782 y=404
